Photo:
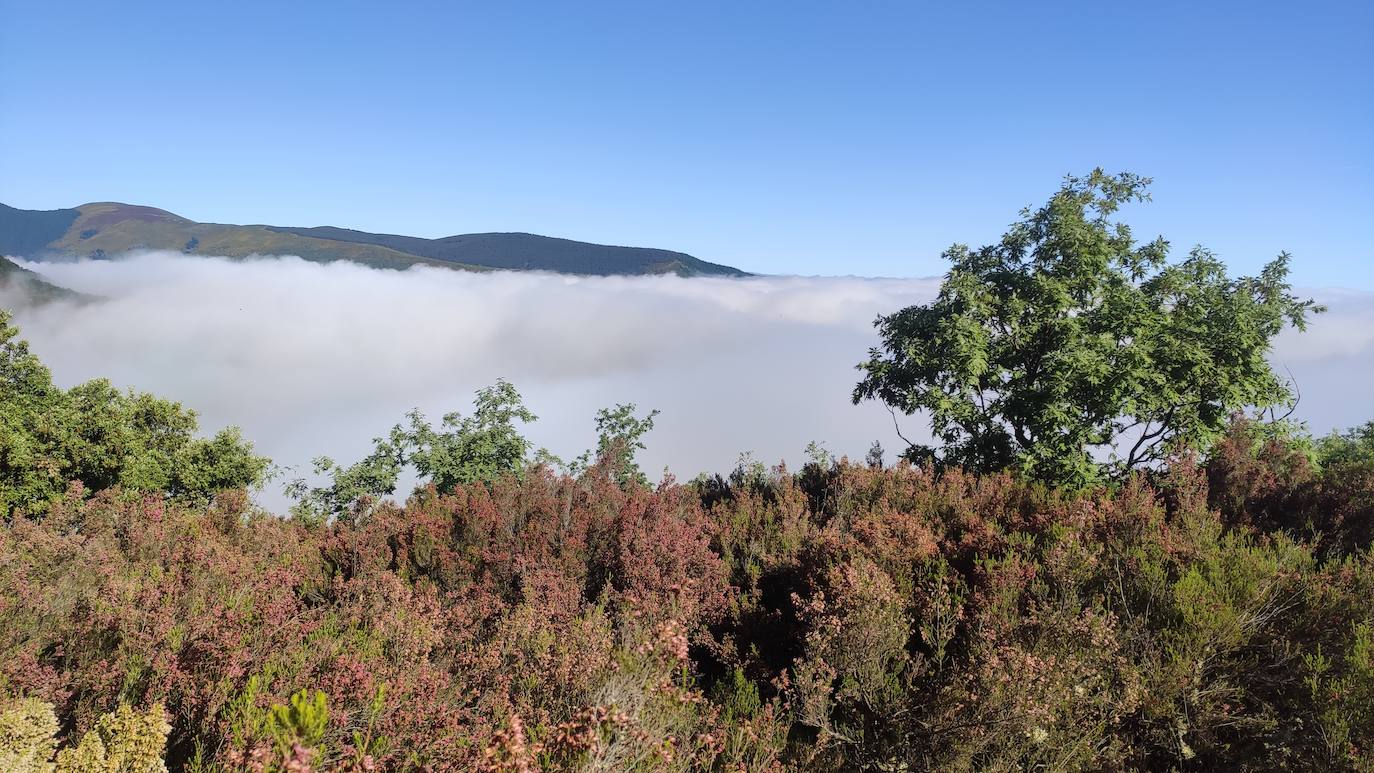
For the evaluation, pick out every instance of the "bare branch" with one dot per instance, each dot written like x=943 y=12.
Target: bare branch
x=898 y=427
x=1297 y=398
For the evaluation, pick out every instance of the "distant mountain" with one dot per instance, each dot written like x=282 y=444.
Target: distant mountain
x=107 y=228
x=21 y=287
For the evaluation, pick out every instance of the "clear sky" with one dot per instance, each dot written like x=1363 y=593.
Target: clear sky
x=790 y=137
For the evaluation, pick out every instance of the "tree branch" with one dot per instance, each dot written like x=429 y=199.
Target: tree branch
x=898 y=427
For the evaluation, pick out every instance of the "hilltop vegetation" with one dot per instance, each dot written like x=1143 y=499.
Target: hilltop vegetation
x=988 y=607
x=105 y=229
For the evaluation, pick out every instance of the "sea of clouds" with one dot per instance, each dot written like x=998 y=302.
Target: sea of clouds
x=316 y=359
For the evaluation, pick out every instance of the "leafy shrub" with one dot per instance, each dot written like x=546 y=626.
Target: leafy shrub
x=123 y=741
x=27 y=730
x=95 y=434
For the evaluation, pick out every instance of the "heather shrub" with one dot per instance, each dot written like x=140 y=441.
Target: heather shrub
x=1343 y=692
x=842 y=617
x=855 y=671
x=1322 y=491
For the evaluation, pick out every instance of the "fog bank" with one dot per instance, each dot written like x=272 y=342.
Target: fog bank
x=310 y=358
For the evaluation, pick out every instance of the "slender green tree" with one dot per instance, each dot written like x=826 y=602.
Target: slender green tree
x=1071 y=352
x=371 y=478
x=619 y=436
x=462 y=450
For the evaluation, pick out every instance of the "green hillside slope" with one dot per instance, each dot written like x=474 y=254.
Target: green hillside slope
x=28 y=232
x=21 y=287
x=108 y=228
x=531 y=252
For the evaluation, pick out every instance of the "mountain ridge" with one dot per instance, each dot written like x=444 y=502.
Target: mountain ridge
x=104 y=228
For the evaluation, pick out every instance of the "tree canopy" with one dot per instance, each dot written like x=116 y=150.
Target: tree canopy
x=1071 y=352
x=619 y=434
x=463 y=450
x=101 y=436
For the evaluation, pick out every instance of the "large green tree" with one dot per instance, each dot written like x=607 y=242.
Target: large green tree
x=103 y=437
x=1071 y=352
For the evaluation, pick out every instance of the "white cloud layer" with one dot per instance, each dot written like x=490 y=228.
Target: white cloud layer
x=310 y=358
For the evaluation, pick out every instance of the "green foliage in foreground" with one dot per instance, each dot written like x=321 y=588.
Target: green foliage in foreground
x=1354 y=448
x=122 y=741
x=463 y=450
x=1068 y=338
x=101 y=437
x=841 y=618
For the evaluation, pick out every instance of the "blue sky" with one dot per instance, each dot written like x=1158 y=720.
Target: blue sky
x=797 y=137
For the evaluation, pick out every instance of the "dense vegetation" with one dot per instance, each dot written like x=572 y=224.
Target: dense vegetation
x=1067 y=340
x=842 y=617
x=94 y=437
x=1212 y=609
